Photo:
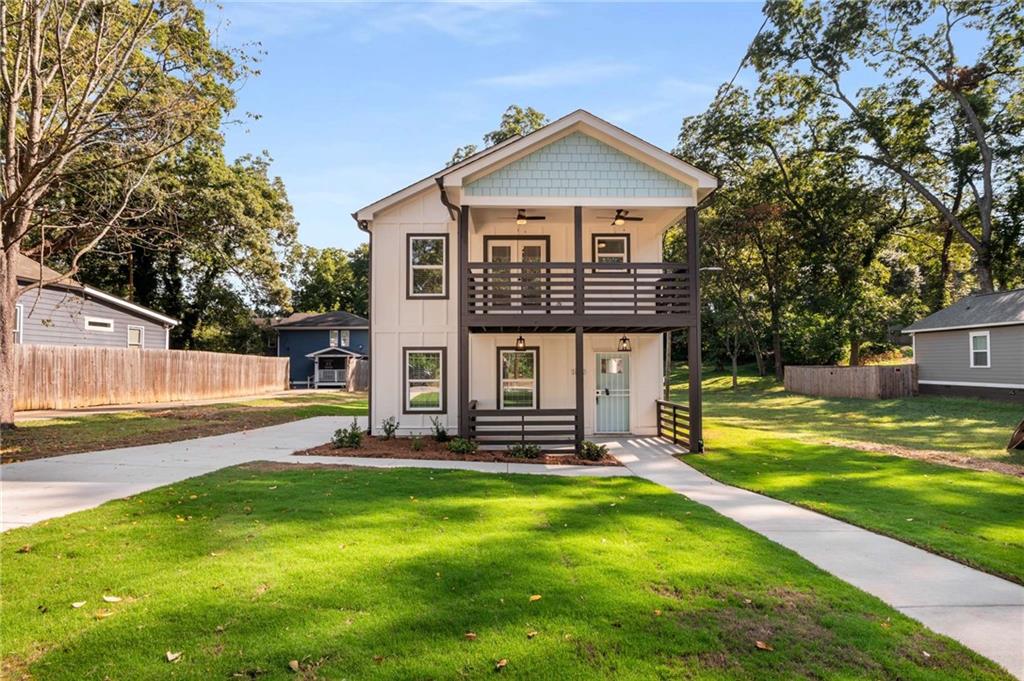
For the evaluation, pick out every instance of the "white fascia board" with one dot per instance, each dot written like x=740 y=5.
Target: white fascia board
x=960 y=328
x=130 y=306
x=594 y=201
x=972 y=384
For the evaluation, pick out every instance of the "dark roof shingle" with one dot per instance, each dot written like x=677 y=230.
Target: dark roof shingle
x=1004 y=307
x=337 y=319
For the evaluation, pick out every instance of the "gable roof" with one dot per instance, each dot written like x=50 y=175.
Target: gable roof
x=29 y=270
x=336 y=319
x=1004 y=308
x=494 y=158
x=344 y=352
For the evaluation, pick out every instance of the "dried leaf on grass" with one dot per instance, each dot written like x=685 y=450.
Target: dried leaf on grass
x=470 y=636
x=531 y=634
x=78 y=604
x=761 y=645
x=501 y=664
x=112 y=599
x=173 y=657
x=534 y=597
x=25 y=549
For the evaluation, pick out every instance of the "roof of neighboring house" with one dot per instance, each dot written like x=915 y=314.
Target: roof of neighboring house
x=344 y=352
x=510 y=149
x=336 y=319
x=987 y=309
x=28 y=269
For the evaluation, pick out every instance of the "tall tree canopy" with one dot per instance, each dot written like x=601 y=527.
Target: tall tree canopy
x=97 y=94
x=515 y=121
x=331 y=279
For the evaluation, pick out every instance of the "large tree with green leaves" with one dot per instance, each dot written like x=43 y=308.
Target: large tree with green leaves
x=331 y=279
x=516 y=121
x=99 y=92
x=946 y=123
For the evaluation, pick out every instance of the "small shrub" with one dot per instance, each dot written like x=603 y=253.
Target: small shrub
x=348 y=438
x=388 y=427
x=524 y=450
x=461 y=446
x=417 y=444
x=440 y=430
x=591 y=451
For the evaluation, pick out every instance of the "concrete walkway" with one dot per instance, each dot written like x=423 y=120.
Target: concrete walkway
x=983 y=612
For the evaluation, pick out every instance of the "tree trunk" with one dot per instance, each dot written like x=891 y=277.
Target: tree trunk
x=855 y=350
x=942 y=290
x=8 y=298
x=735 y=380
x=776 y=324
x=983 y=268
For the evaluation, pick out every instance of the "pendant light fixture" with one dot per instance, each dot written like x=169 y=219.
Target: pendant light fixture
x=520 y=344
x=624 y=344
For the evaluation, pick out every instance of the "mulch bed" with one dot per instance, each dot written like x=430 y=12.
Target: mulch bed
x=401 y=448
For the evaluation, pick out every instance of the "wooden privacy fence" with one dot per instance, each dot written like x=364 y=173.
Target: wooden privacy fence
x=873 y=382
x=357 y=377
x=65 y=377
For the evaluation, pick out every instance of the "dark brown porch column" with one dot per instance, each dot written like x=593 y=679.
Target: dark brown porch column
x=463 y=354
x=693 y=388
x=579 y=387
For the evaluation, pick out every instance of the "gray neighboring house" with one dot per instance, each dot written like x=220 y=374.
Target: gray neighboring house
x=974 y=347
x=70 y=313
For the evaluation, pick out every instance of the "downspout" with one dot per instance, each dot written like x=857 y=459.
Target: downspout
x=365 y=226
x=453 y=210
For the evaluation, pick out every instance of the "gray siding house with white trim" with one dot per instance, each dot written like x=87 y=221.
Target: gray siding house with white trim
x=974 y=347
x=69 y=313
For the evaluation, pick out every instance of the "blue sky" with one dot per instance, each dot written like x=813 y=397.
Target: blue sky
x=356 y=101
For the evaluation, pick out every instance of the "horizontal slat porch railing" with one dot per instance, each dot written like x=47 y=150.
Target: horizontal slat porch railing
x=535 y=426
x=549 y=288
x=674 y=422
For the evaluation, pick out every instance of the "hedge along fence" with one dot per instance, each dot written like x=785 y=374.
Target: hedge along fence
x=872 y=382
x=65 y=377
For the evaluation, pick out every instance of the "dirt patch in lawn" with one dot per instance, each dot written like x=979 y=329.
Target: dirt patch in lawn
x=430 y=449
x=935 y=456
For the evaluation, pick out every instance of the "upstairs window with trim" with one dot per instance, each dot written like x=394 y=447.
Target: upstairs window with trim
x=517 y=388
x=424 y=378
x=339 y=338
x=136 y=336
x=19 y=319
x=611 y=248
x=427 y=260
x=99 y=324
x=980 y=355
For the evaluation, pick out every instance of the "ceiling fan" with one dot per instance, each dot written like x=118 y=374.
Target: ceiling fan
x=522 y=218
x=621 y=217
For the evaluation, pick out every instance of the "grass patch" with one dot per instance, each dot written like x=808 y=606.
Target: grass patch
x=968 y=426
x=431 y=574
x=66 y=435
x=764 y=439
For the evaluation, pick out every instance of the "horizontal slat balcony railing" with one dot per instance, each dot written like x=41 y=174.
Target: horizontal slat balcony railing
x=549 y=289
x=674 y=422
x=510 y=426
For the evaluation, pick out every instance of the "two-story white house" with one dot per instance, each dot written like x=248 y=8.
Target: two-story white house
x=522 y=294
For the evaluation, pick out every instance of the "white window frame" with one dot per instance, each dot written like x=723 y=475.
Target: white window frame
x=340 y=338
x=443 y=267
x=105 y=325
x=128 y=336
x=624 y=238
x=19 y=321
x=332 y=338
x=535 y=404
x=442 y=386
x=988 y=349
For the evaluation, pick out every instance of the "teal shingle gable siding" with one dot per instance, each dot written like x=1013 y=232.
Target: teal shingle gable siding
x=578 y=165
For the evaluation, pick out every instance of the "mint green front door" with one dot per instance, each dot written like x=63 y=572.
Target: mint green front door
x=612 y=392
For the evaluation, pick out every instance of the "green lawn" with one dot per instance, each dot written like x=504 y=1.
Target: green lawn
x=778 y=445
x=417 y=574
x=66 y=435
x=970 y=426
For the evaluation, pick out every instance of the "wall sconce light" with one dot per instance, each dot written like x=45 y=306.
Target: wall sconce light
x=520 y=344
x=624 y=344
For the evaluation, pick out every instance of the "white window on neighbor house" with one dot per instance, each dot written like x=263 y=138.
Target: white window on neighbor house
x=99 y=324
x=424 y=378
x=427 y=260
x=136 y=336
x=980 y=354
x=19 y=319
x=518 y=386
x=339 y=338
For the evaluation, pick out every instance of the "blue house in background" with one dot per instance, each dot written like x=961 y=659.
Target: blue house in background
x=320 y=346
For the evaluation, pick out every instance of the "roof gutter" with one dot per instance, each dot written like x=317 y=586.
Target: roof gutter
x=361 y=224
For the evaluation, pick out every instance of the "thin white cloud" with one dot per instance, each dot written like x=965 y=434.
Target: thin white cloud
x=570 y=73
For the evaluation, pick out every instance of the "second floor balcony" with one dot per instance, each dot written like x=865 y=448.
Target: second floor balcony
x=651 y=295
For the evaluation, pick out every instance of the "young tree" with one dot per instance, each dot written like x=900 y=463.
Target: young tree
x=92 y=90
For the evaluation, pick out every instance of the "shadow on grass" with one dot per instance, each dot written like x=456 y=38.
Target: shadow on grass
x=380 y=574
